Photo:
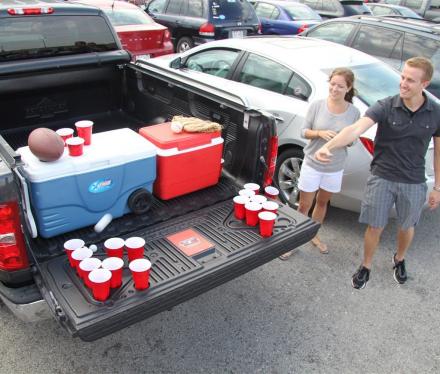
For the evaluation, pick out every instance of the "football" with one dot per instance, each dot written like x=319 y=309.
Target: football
x=46 y=144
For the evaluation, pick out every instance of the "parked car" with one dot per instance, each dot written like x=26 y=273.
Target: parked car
x=392 y=10
x=284 y=17
x=194 y=22
x=428 y=9
x=283 y=75
x=390 y=39
x=139 y=34
x=337 y=8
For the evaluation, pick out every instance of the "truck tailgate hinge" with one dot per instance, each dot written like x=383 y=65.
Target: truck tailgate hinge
x=57 y=308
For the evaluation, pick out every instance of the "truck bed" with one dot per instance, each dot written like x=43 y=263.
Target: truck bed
x=175 y=277
x=133 y=98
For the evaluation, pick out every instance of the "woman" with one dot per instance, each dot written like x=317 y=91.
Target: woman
x=324 y=119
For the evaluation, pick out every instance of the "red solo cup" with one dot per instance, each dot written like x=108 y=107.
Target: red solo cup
x=253 y=187
x=115 y=265
x=70 y=246
x=140 y=270
x=75 y=146
x=100 y=281
x=270 y=206
x=84 y=130
x=267 y=220
x=80 y=254
x=135 y=248
x=252 y=210
x=114 y=247
x=239 y=203
x=258 y=199
x=86 y=266
x=271 y=192
x=65 y=134
x=246 y=192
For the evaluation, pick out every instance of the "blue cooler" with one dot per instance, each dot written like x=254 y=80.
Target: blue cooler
x=75 y=192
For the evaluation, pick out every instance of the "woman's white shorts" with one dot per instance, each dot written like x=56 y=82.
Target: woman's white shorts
x=311 y=180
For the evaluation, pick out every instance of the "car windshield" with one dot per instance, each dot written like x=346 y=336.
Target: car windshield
x=37 y=37
x=375 y=81
x=299 y=12
x=122 y=17
x=353 y=9
x=232 y=10
x=408 y=13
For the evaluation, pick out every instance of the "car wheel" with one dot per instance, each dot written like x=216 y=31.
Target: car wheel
x=287 y=174
x=184 y=44
x=140 y=201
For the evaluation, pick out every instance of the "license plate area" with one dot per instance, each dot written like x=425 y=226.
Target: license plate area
x=237 y=34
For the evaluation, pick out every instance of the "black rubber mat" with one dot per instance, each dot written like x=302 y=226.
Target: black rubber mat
x=161 y=211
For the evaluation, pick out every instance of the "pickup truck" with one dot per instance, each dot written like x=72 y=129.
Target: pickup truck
x=62 y=62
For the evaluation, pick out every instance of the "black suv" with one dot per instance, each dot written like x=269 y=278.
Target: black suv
x=337 y=8
x=193 y=22
x=391 y=39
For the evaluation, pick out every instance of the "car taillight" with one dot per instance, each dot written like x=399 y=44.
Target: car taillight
x=368 y=144
x=272 y=153
x=13 y=254
x=303 y=28
x=30 y=11
x=260 y=28
x=166 y=35
x=207 y=29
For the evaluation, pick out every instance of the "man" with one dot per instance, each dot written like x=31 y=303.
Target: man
x=405 y=125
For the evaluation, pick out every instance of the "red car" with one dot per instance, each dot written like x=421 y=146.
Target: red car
x=139 y=34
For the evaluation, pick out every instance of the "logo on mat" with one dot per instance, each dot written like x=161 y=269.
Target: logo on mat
x=101 y=185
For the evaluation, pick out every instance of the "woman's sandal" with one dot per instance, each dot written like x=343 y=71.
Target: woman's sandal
x=320 y=245
x=285 y=256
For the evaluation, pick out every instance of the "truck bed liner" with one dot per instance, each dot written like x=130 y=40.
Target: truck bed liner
x=161 y=211
x=175 y=277
x=105 y=121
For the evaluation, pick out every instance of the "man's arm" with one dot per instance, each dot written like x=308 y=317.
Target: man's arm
x=348 y=135
x=434 y=196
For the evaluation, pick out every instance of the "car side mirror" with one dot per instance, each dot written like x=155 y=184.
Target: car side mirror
x=176 y=63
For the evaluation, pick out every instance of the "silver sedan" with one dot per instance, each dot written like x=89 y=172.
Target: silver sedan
x=283 y=75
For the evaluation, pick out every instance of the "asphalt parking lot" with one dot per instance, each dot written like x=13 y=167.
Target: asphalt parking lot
x=298 y=316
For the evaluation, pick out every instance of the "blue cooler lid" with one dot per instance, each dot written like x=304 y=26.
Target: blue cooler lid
x=108 y=149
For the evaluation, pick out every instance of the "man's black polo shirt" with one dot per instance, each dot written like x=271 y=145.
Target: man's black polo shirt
x=402 y=138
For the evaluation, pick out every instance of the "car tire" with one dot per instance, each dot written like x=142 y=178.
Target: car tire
x=184 y=44
x=287 y=174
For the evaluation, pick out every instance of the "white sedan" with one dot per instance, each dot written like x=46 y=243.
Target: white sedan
x=283 y=75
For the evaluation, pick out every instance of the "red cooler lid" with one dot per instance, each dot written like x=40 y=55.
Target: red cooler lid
x=163 y=137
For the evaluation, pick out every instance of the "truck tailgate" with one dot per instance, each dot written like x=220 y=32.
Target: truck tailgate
x=175 y=277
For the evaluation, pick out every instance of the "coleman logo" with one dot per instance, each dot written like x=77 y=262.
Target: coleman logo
x=101 y=185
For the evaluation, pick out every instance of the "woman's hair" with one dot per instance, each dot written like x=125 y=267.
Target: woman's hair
x=349 y=80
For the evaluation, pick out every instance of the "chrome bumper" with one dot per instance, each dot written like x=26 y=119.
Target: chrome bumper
x=32 y=312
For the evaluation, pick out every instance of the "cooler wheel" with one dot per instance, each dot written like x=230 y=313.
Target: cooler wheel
x=140 y=201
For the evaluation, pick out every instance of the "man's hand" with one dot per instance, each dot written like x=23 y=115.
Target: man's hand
x=323 y=154
x=434 y=200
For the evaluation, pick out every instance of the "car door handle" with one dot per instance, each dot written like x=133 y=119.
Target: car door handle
x=277 y=117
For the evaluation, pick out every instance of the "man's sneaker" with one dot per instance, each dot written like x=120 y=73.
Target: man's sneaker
x=360 y=278
x=399 y=271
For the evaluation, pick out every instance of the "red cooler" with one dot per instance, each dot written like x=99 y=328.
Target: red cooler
x=186 y=162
